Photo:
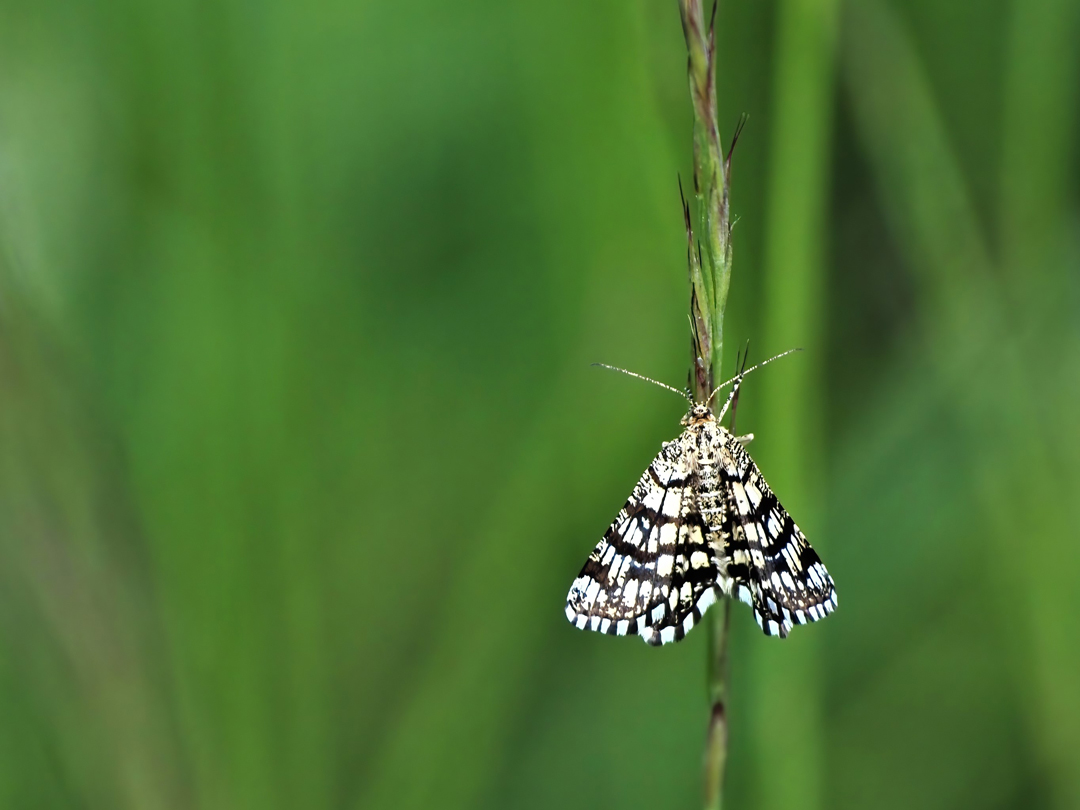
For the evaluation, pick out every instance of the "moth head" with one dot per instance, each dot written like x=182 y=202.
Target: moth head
x=697 y=414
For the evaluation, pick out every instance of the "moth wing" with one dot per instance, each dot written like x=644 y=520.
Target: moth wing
x=772 y=566
x=652 y=573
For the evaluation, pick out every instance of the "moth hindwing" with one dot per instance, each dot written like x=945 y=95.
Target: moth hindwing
x=701 y=522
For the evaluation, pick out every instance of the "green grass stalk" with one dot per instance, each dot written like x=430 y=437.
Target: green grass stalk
x=709 y=258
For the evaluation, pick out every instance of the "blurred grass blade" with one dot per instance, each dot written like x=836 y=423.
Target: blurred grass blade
x=81 y=637
x=981 y=354
x=1038 y=133
x=787 y=677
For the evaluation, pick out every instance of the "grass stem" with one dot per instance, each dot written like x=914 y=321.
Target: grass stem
x=709 y=260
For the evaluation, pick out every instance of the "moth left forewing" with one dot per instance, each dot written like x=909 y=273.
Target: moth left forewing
x=693 y=579
x=652 y=573
x=773 y=567
x=623 y=578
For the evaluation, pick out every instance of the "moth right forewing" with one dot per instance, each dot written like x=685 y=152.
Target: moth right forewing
x=774 y=567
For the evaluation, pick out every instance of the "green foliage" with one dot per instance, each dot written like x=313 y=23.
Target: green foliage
x=300 y=447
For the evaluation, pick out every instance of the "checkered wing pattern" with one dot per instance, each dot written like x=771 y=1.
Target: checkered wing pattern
x=654 y=573
x=701 y=522
x=771 y=565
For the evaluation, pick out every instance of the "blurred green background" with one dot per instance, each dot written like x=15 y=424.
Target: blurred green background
x=300 y=448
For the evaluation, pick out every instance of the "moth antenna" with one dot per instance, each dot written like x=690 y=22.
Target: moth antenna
x=682 y=394
x=738 y=378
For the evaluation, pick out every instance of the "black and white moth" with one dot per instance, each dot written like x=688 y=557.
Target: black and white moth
x=701 y=523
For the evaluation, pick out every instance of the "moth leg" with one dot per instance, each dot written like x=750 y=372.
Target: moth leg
x=745 y=440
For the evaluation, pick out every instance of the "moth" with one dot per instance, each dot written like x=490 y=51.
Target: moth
x=701 y=523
